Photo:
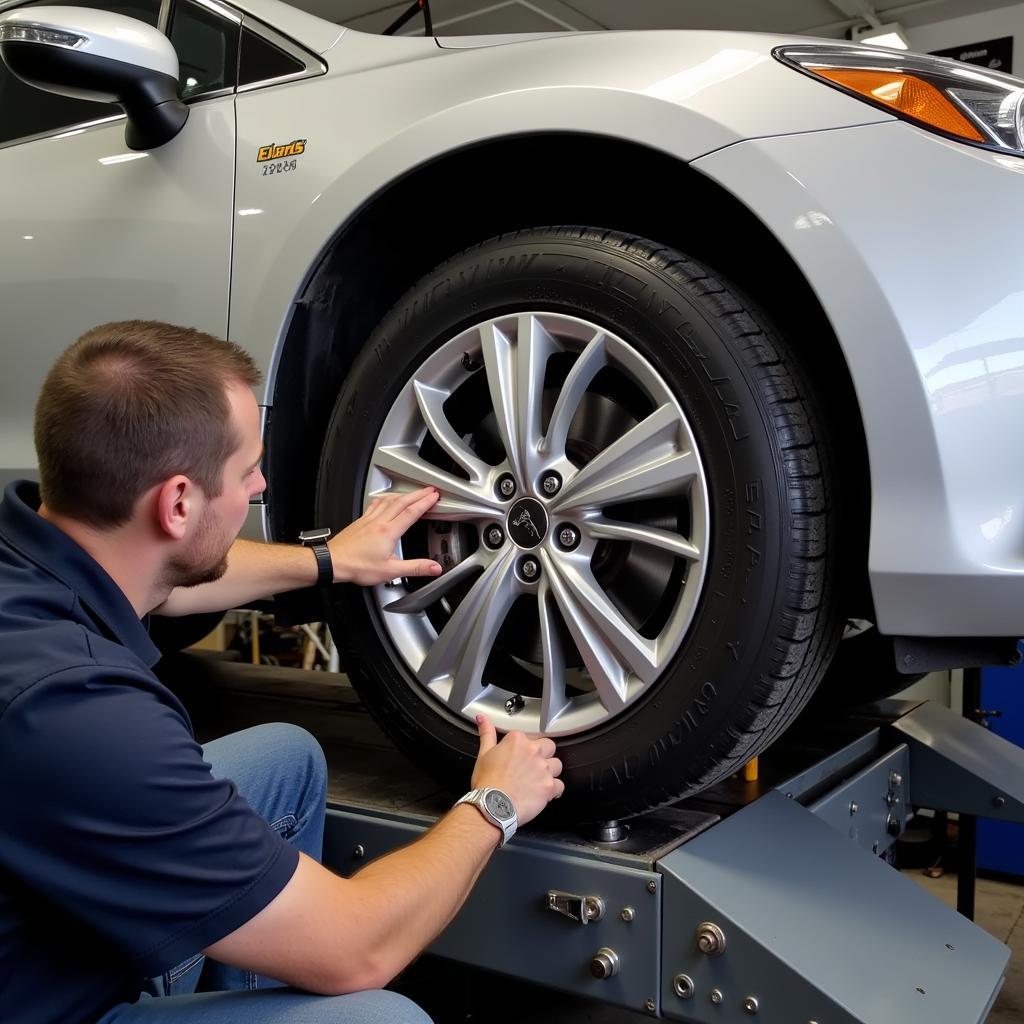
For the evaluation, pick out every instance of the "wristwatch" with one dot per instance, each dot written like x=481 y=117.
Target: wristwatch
x=316 y=541
x=496 y=806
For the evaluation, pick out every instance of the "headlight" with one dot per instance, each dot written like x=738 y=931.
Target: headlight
x=970 y=104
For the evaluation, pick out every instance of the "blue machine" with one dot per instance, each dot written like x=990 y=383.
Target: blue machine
x=1001 y=843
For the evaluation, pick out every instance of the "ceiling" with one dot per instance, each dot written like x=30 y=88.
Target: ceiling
x=814 y=17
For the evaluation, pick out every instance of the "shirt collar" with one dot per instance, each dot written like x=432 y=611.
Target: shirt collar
x=55 y=552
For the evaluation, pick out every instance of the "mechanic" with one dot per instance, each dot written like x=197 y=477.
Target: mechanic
x=132 y=859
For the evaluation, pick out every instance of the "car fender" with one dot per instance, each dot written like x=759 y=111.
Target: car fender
x=902 y=236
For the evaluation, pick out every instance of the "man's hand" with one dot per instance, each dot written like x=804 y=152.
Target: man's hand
x=522 y=766
x=364 y=552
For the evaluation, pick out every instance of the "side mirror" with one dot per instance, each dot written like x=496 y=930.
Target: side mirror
x=95 y=55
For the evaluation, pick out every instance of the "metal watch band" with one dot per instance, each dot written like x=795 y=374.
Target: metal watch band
x=316 y=541
x=324 y=564
x=476 y=798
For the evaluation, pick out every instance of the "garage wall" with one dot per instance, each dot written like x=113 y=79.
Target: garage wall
x=973 y=28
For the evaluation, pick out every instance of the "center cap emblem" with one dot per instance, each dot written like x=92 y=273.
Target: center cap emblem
x=527 y=522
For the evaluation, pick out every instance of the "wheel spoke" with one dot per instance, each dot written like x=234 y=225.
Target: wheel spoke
x=609 y=677
x=515 y=377
x=421 y=599
x=431 y=402
x=534 y=346
x=646 y=462
x=586 y=367
x=461 y=649
x=574 y=576
x=555 y=698
x=610 y=529
x=499 y=365
x=460 y=499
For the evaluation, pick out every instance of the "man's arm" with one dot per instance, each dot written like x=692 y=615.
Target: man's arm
x=332 y=935
x=363 y=553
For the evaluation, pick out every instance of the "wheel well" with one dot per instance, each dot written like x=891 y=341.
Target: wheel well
x=443 y=207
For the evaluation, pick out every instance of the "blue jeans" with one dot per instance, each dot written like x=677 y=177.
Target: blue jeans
x=281 y=772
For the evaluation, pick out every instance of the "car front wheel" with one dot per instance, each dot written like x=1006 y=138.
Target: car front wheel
x=635 y=519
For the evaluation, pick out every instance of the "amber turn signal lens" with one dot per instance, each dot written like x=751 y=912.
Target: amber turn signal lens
x=909 y=95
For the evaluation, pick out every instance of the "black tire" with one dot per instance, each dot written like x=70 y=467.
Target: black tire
x=766 y=624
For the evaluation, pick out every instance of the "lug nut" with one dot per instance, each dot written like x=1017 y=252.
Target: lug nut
x=495 y=537
x=568 y=537
x=529 y=568
x=506 y=486
x=551 y=484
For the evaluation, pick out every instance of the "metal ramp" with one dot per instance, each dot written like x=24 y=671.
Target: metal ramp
x=766 y=903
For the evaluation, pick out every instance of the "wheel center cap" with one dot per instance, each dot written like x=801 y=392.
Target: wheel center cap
x=527 y=522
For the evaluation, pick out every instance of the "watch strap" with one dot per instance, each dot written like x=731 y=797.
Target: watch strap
x=477 y=798
x=324 y=564
x=316 y=541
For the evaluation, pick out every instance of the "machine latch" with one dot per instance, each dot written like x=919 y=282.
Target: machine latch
x=583 y=909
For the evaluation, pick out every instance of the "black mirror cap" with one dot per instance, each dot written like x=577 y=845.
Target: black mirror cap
x=149 y=98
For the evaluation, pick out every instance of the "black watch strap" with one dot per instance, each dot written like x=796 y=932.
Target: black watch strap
x=316 y=541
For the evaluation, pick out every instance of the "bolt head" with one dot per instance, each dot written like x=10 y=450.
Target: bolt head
x=650 y=1006
x=710 y=939
x=750 y=1005
x=999 y=801
x=652 y=886
x=507 y=486
x=895 y=780
x=358 y=851
x=568 y=537
x=627 y=914
x=716 y=996
x=530 y=568
x=495 y=537
x=550 y=484
x=854 y=807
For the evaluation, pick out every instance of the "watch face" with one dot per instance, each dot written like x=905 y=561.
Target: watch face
x=312 y=536
x=499 y=805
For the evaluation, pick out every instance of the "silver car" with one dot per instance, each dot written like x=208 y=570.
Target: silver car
x=710 y=341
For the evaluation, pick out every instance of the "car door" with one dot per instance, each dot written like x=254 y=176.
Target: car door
x=92 y=232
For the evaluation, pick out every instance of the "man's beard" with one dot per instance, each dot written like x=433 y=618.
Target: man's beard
x=198 y=565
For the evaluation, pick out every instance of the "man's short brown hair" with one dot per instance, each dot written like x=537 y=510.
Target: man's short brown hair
x=130 y=404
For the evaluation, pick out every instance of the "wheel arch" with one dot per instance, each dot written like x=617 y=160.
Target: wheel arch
x=584 y=179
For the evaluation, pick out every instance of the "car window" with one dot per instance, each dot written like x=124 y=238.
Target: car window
x=261 y=61
x=26 y=111
x=207 y=47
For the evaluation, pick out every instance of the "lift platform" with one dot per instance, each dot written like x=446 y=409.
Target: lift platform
x=768 y=901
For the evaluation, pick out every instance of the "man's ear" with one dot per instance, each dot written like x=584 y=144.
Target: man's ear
x=175 y=506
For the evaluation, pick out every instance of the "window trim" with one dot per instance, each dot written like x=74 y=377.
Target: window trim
x=313 y=65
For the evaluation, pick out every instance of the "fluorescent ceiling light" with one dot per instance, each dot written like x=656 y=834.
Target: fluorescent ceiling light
x=891 y=35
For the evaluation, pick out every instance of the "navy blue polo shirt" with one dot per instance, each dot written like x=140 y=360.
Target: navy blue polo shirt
x=120 y=854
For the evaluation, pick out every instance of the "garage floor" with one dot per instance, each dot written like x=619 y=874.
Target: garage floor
x=223 y=702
